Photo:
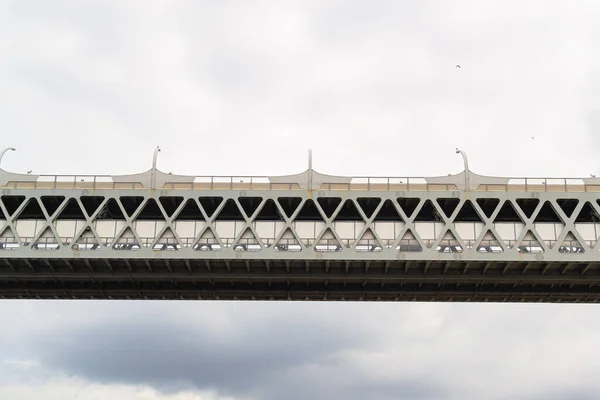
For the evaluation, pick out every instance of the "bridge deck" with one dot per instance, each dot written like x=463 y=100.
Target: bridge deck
x=296 y=280
x=332 y=238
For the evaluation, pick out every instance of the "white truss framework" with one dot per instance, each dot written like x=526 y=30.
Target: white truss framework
x=293 y=225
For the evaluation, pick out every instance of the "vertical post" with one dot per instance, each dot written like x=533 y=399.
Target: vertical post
x=153 y=173
x=4 y=151
x=466 y=163
x=310 y=170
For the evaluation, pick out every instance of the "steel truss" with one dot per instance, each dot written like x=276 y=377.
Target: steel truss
x=572 y=212
x=290 y=264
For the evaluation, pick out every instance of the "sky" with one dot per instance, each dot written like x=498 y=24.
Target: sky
x=246 y=88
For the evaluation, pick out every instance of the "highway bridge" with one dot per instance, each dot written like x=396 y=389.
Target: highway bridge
x=310 y=236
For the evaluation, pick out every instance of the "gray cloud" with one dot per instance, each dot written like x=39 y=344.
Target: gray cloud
x=163 y=353
x=270 y=351
x=263 y=351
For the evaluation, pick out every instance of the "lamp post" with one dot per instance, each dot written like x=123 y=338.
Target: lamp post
x=4 y=151
x=310 y=170
x=466 y=163
x=153 y=174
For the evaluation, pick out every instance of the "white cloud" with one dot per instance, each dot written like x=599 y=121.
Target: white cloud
x=77 y=389
x=370 y=82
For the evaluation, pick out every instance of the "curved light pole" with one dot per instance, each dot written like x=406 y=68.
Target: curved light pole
x=310 y=170
x=153 y=174
x=466 y=162
x=4 y=151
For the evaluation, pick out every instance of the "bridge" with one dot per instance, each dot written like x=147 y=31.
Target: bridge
x=310 y=236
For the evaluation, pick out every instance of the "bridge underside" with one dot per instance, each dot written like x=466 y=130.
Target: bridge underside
x=475 y=281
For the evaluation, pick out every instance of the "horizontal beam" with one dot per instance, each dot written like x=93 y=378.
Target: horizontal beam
x=416 y=276
x=304 y=295
x=332 y=280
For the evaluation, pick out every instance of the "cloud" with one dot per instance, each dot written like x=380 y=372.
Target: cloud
x=263 y=81
x=158 y=352
x=260 y=351
x=60 y=387
x=265 y=351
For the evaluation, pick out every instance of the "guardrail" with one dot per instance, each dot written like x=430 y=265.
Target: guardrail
x=575 y=185
x=67 y=182
x=106 y=182
x=385 y=184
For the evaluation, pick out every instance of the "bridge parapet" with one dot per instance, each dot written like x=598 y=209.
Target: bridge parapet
x=168 y=181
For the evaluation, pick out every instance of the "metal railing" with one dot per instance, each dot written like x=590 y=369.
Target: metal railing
x=574 y=185
x=387 y=184
x=230 y=183
x=66 y=182
x=324 y=245
x=106 y=182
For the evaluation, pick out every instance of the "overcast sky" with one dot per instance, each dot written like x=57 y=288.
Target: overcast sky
x=247 y=87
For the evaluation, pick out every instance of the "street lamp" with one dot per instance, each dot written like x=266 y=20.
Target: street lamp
x=310 y=170
x=153 y=175
x=4 y=151
x=466 y=162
